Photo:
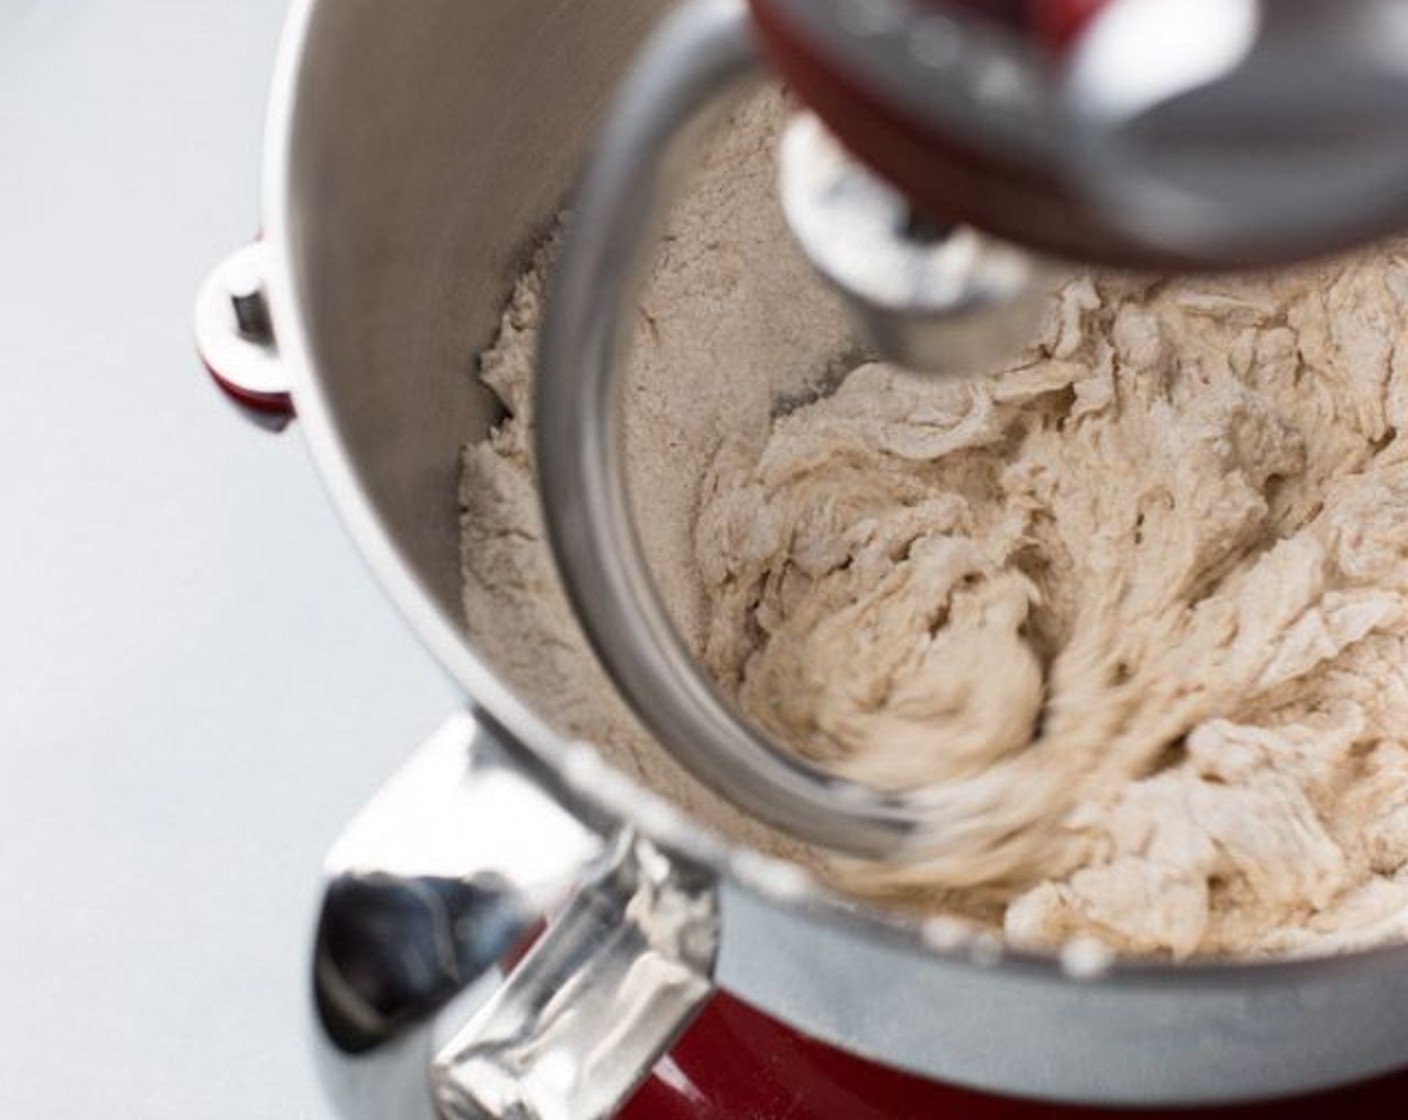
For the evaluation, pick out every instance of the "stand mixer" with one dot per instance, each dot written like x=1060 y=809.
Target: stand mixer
x=414 y=150
x=955 y=150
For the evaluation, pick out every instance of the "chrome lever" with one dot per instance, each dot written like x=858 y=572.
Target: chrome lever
x=448 y=869
x=588 y=1013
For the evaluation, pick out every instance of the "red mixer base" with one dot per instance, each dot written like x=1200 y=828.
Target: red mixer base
x=737 y=1064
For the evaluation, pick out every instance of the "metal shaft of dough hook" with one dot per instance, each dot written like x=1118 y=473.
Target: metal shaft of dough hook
x=702 y=52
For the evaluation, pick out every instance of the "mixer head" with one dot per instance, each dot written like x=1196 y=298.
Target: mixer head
x=1160 y=135
x=1154 y=134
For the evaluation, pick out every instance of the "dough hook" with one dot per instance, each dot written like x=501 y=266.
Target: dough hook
x=1158 y=134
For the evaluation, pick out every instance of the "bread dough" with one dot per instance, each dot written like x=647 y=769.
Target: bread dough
x=1132 y=614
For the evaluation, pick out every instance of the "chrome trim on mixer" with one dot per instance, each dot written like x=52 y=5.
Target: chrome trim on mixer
x=622 y=971
x=440 y=875
x=447 y=870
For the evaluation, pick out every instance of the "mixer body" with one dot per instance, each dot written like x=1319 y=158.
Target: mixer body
x=415 y=151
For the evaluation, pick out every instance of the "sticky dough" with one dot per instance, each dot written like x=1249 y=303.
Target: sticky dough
x=1133 y=615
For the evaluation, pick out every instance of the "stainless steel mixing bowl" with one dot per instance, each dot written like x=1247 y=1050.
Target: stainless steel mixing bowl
x=414 y=150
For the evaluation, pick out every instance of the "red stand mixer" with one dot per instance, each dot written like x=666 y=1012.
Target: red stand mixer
x=973 y=142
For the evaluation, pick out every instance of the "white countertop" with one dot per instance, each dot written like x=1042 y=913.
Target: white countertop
x=201 y=681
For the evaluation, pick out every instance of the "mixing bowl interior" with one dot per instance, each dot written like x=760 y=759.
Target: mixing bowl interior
x=465 y=126
x=404 y=269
